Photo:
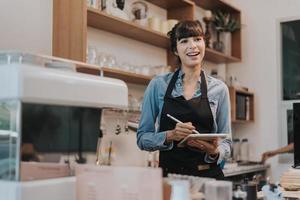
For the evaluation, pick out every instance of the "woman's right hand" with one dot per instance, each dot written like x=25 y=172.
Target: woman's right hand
x=180 y=131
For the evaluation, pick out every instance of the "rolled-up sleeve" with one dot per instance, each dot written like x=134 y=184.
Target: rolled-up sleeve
x=147 y=137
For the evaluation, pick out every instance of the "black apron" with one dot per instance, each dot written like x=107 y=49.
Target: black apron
x=185 y=160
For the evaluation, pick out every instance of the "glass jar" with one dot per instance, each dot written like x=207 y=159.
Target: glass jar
x=236 y=149
x=244 y=150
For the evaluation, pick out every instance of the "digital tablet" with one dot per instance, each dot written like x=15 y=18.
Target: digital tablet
x=202 y=136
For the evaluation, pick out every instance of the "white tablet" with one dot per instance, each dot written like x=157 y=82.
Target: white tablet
x=202 y=136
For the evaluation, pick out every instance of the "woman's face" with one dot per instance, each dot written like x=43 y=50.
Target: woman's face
x=191 y=51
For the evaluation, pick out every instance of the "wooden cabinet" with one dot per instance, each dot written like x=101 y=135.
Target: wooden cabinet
x=71 y=19
x=242 y=105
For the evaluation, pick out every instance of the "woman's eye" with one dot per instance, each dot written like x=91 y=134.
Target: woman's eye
x=198 y=39
x=183 y=41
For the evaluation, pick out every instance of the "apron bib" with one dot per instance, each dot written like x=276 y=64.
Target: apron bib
x=185 y=160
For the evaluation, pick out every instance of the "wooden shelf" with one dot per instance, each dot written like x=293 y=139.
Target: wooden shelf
x=242 y=91
x=170 y=4
x=128 y=77
x=236 y=121
x=103 y=21
x=218 y=57
x=216 y=4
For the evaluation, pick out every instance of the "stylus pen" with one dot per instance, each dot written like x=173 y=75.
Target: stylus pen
x=178 y=121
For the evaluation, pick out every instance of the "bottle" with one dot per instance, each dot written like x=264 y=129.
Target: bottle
x=236 y=149
x=250 y=188
x=247 y=108
x=244 y=151
x=103 y=5
x=98 y=150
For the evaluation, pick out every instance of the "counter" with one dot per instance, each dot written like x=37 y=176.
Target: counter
x=243 y=169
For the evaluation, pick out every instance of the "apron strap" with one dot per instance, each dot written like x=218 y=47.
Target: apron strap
x=203 y=86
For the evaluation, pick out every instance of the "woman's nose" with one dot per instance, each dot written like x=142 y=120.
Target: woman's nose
x=192 y=44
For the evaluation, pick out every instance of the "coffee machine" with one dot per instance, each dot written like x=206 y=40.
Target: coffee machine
x=49 y=120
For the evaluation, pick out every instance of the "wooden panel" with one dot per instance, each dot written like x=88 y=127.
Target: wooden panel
x=170 y=4
x=218 y=57
x=244 y=92
x=232 y=103
x=103 y=21
x=216 y=4
x=182 y=13
x=236 y=41
x=119 y=74
x=69 y=29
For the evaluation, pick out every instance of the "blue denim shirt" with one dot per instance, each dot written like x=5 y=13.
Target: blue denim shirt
x=148 y=137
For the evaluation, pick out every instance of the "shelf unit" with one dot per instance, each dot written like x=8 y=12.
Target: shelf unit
x=71 y=19
x=236 y=51
x=128 y=77
x=234 y=92
x=103 y=21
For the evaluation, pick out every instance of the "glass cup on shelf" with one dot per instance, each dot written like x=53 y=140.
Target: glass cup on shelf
x=137 y=69
x=125 y=66
x=145 y=69
x=92 y=54
x=133 y=69
x=111 y=61
x=102 y=59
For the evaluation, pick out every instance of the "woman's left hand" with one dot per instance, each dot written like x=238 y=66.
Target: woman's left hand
x=209 y=147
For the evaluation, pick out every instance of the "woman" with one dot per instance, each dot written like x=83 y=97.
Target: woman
x=199 y=101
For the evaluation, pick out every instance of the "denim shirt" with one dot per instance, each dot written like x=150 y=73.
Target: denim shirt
x=148 y=137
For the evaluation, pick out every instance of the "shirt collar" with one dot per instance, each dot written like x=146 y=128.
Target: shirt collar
x=181 y=76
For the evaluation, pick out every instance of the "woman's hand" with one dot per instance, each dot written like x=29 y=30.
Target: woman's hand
x=267 y=155
x=180 y=131
x=209 y=147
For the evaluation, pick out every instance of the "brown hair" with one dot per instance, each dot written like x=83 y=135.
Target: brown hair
x=184 y=29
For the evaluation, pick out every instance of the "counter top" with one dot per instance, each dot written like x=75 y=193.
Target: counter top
x=285 y=194
x=243 y=169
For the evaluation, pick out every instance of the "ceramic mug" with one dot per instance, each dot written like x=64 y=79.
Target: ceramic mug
x=154 y=23
x=164 y=27
x=172 y=23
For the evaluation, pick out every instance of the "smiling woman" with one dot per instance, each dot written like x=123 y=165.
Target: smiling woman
x=199 y=101
x=181 y=33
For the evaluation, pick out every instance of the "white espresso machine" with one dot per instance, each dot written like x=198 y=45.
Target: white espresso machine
x=49 y=119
